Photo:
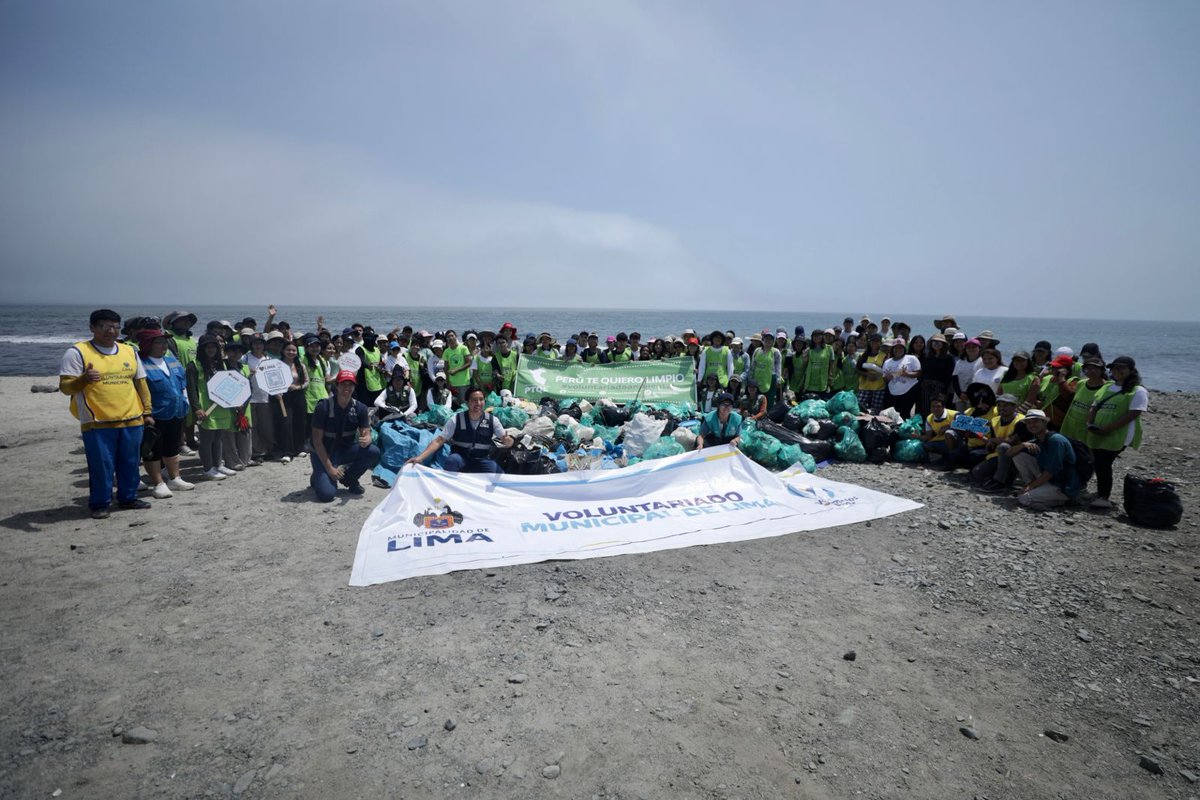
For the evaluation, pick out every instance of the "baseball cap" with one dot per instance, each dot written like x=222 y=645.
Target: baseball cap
x=346 y=375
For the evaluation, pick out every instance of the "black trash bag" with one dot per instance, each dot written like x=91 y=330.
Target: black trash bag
x=793 y=423
x=1152 y=502
x=876 y=434
x=549 y=408
x=778 y=412
x=828 y=431
x=780 y=432
x=878 y=455
x=574 y=410
x=818 y=449
x=613 y=417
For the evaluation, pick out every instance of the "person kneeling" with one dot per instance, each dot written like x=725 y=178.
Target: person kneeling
x=472 y=433
x=341 y=438
x=722 y=426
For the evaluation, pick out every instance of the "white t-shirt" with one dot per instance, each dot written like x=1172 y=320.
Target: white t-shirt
x=1139 y=402
x=965 y=371
x=891 y=371
x=991 y=377
x=257 y=395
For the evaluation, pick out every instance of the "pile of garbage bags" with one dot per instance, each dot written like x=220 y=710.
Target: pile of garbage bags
x=571 y=434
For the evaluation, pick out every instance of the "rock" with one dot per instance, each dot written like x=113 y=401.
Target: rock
x=552 y=771
x=1151 y=765
x=900 y=558
x=410 y=721
x=450 y=724
x=138 y=735
x=1056 y=735
x=418 y=743
x=968 y=732
x=1084 y=635
x=376 y=633
x=483 y=766
x=519 y=677
x=1191 y=776
x=43 y=388
x=273 y=773
x=943 y=524
x=849 y=655
x=1143 y=722
x=243 y=783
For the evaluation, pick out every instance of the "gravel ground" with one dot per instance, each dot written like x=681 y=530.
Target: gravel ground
x=211 y=648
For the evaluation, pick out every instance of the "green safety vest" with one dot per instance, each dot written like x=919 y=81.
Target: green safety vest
x=592 y=358
x=508 y=365
x=1110 y=407
x=816 y=369
x=762 y=369
x=219 y=419
x=455 y=358
x=414 y=370
x=485 y=372
x=185 y=347
x=715 y=359
x=1017 y=388
x=1074 y=424
x=624 y=355
x=315 y=392
x=372 y=380
x=796 y=382
x=739 y=365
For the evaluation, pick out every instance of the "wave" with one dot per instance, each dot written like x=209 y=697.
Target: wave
x=39 y=339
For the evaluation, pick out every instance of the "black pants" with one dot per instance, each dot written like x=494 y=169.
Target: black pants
x=1104 y=470
x=291 y=432
x=903 y=403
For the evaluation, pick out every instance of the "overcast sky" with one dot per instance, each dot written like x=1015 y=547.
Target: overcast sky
x=1024 y=159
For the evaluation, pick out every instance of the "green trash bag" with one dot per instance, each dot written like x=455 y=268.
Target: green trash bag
x=493 y=400
x=843 y=401
x=437 y=414
x=789 y=454
x=761 y=448
x=811 y=409
x=606 y=432
x=631 y=460
x=849 y=447
x=564 y=433
x=587 y=419
x=665 y=446
x=910 y=451
x=912 y=428
x=511 y=417
x=844 y=419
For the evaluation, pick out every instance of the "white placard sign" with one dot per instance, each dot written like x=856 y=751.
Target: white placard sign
x=273 y=377
x=349 y=361
x=229 y=389
x=434 y=522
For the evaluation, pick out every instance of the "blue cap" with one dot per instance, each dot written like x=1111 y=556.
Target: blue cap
x=347 y=331
x=572 y=341
x=393 y=345
x=799 y=330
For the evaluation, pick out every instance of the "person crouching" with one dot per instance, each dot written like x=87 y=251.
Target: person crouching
x=341 y=441
x=472 y=434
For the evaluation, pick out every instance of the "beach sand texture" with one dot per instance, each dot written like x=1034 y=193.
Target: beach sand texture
x=221 y=623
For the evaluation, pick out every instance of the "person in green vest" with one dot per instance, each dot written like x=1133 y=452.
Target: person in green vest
x=817 y=366
x=570 y=353
x=764 y=369
x=1019 y=381
x=504 y=362
x=1056 y=390
x=1114 y=423
x=315 y=391
x=845 y=367
x=715 y=359
x=793 y=365
x=458 y=367
x=241 y=454
x=483 y=369
x=592 y=354
x=371 y=376
x=1080 y=394
x=621 y=352
x=416 y=367
x=741 y=362
x=178 y=326
x=215 y=423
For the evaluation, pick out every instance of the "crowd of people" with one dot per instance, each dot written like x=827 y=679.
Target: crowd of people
x=140 y=391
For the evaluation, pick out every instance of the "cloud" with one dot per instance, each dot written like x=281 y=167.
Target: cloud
x=167 y=208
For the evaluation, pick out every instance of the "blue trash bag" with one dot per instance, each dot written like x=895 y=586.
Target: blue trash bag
x=664 y=447
x=436 y=414
x=843 y=401
x=398 y=442
x=910 y=451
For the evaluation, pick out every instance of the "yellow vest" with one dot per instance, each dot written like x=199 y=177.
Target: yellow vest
x=939 y=427
x=873 y=381
x=113 y=401
x=1002 y=431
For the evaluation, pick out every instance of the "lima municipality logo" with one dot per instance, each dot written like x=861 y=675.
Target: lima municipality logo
x=432 y=519
x=823 y=496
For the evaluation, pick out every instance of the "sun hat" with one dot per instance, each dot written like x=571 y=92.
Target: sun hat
x=470 y=335
x=273 y=335
x=146 y=337
x=1036 y=413
x=346 y=375
x=991 y=337
x=424 y=334
x=1123 y=361
x=437 y=343
x=1021 y=354
x=897 y=342
x=940 y=323
x=959 y=336
x=737 y=340
x=938 y=337
x=1092 y=362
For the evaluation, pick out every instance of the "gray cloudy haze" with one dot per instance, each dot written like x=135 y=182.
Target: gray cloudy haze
x=1025 y=159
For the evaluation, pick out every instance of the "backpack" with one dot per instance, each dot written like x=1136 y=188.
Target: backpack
x=1152 y=502
x=1085 y=464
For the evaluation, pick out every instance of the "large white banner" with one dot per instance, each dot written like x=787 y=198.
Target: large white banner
x=434 y=522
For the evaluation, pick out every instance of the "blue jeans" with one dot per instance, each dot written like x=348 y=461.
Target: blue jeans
x=456 y=463
x=109 y=451
x=357 y=460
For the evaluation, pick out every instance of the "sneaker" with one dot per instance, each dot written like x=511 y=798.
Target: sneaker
x=238 y=467
x=161 y=491
x=180 y=485
x=255 y=462
x=100 y=513
x=143 y=486
x=224 y=470
x=285 y=460
x=134 y=505
x=354 y=487
x=215 y=474
x=992 y=487
x=1101 y=504
x=186 y=451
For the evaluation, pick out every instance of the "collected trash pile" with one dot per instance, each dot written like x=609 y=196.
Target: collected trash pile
x=564 y=435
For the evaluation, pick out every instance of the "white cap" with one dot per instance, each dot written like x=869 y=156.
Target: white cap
x=437 y=343
x=1064 y=351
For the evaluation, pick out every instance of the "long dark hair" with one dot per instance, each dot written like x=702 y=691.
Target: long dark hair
x=209 y=365
x=1132 y=381
x=1009 y=374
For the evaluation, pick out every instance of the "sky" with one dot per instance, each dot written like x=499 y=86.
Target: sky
x=1015 y=159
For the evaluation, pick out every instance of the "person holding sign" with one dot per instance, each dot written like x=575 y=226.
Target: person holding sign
x=473 y=434
x=215 y=423
x=260 y=400
x=109 y=396
x=723 y=426
x=341 y=441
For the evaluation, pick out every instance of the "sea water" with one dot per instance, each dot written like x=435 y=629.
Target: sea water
x=33 y=338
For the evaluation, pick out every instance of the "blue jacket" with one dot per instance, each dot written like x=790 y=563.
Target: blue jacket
x=168 y=393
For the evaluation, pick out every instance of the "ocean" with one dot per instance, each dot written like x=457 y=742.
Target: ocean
x=33 y=338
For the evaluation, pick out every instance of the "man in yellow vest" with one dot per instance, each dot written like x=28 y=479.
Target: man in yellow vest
x=109 y=396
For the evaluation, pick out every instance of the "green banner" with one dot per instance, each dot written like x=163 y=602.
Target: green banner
x=667 y=381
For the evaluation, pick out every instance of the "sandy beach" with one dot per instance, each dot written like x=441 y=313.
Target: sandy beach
x=219 y=626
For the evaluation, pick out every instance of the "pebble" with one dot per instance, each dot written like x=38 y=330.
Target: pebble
x=1056 y=735
x=243 y=783
x=970 y=733
x=1084 y=635
x=1151 y=765
x=552 y=771
x=483 y=766
x=900 y=558
x=943 y=524
x=138 y=735
x=1189 y=775
x=450 y=724
x=410 y=721
x=849 y=655
x=519 y=677
x=376 y=633
x=418 y=743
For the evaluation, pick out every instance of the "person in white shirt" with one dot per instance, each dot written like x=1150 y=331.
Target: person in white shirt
x=263 y=431
x=903 y=375
x=992 y=371
x=438 y=394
